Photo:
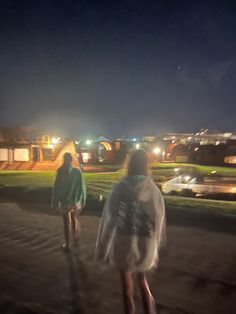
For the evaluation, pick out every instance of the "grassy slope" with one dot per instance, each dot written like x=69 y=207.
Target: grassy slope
x=208 y=205
x=101 y=183
x=224 y=171
x=36 y=179
x=27 y=179
x=96 y=183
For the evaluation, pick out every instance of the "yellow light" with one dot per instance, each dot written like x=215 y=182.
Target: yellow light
x=107 y=145
x=157 y=150
x=137 y=146
x=55 y=140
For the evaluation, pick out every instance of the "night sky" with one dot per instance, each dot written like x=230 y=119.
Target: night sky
x=117 y=68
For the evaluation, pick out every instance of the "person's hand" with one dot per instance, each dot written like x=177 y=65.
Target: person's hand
x=79 y=207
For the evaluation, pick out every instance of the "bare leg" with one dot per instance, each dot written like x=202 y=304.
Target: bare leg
x=67 y=222
x=75 y=229
x=128 y=291
x=147 y=298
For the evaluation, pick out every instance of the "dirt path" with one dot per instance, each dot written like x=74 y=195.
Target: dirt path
x=197 y=272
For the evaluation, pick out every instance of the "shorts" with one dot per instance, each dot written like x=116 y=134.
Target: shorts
x=66 y=208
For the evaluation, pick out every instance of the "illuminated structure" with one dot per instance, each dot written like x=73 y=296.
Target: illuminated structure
x=103 y=151
x=24 y=148
x=30 y=148
x=201 y=137
x=201 y=147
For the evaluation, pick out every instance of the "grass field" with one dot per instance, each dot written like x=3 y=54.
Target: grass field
x=196 y=204
x=222 y=171
x=100 y=184
x=160 y=172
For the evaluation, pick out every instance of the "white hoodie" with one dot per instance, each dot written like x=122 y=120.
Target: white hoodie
x=132 y=226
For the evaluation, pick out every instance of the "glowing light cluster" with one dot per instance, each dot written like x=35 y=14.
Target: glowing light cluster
x=55 y=140
x=88 y=142
x=157 y=150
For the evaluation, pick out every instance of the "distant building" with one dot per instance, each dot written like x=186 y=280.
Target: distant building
x=25 y=148
x=103 y=151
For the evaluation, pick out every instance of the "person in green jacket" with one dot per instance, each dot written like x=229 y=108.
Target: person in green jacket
x=69 y=195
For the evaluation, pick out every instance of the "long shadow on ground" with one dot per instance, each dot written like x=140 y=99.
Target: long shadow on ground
x=74 y=284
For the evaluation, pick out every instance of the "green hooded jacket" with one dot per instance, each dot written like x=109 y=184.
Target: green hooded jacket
x=69 y=188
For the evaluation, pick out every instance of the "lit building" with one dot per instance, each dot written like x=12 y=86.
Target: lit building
x=23 y=148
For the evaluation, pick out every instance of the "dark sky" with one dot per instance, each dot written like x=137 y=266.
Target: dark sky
x=118 y=67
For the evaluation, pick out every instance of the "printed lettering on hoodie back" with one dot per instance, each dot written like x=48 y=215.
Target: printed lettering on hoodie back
x=133 y=219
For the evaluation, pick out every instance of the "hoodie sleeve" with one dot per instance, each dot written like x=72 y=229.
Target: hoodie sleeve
x=83 y=195
x=77 y=193
x=162 y=237
x=55 y=192
x=107 y=224
x=160 y=218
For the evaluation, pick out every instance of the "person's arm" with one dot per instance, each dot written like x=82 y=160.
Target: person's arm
x=162 y=226
x=77 y=194
x=55 y=196
x=160 y=218
x=107 y=225
x=83 y=194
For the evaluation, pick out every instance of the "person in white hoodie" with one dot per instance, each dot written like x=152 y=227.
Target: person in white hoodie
x=132 y=229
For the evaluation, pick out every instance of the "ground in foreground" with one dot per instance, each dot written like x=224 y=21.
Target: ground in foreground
x=196 y=274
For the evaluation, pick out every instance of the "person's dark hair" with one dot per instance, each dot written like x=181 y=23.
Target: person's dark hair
x=137 y=163
x=67 y=160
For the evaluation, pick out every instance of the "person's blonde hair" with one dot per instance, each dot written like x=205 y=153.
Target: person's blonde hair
x=137 y=163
